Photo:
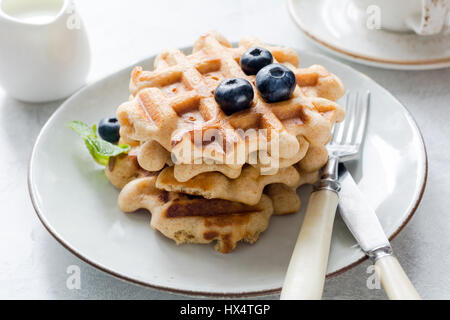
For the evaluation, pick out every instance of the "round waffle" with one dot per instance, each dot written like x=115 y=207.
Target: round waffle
x=195 y=219
x=174 y=104
x=206 y=176
x=188 y=219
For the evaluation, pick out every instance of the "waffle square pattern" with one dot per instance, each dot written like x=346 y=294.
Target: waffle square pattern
x=207 y=176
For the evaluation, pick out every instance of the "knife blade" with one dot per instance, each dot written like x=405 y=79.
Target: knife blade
x=363 y=223
x=359 y=216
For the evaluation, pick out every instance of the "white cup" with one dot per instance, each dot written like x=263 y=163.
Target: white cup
x=44 y=49
x=424 y=17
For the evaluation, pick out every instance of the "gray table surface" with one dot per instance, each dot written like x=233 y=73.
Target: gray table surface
x=34 y=266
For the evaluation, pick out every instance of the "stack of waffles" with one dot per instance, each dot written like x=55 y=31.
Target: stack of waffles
x=206 y=176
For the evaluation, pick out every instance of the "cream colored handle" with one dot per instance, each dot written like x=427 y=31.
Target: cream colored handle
x=307 y=269
x=394 y=280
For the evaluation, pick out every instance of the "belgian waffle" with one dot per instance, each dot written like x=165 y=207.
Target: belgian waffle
x=153 y=157
x=194 y=219
x=224 y=196
x=188 y=219
x=173 y=103
x=247 y=188
x=125 y=168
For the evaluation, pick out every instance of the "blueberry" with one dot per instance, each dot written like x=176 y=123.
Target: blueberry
x=275 y=82
x=108 y=129
x=234 y=95
x=254 y=59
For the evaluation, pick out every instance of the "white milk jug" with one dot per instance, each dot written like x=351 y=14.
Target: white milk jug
x=44 y=50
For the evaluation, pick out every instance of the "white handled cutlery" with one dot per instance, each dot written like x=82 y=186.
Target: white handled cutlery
x=305 y=276
x=306 y=273
x=363 y=223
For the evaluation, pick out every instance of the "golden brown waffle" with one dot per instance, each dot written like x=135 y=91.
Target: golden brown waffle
x=316 y=157
x=284 y=199
x=151 y=156
x=196 y=220
x=175 y=102
x=247 y=188
x=227 y=200
x=185 y=172
x=192 y=219
x=125 y=168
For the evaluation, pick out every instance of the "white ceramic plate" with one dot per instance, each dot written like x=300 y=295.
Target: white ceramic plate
x=78 y=206
x=338 y=27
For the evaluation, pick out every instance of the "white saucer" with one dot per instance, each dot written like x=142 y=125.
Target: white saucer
x=78 y=205
x=340 y=28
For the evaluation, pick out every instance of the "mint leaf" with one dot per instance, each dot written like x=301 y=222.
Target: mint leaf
x=99 y=149
x=102 y=150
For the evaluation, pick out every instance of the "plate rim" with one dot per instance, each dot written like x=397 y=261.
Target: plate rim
x=368 y=60
x=193 y=293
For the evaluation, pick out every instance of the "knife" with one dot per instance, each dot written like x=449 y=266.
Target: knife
x=363 y=223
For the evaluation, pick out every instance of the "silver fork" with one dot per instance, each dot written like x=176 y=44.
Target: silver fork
x=306 y=273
